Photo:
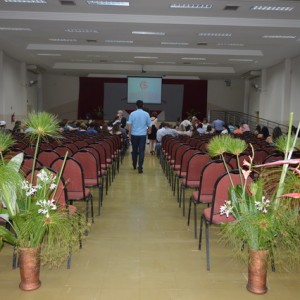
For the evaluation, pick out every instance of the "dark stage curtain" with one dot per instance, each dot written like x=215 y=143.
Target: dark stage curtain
x=91 y=96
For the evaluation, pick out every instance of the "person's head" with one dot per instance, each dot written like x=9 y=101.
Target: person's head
x=18 y=123
x=265 y=131
x=120 y=113
x=154 y=114
x=276 y=133
x=209 y=128
x=204 y=121
x=257 y=129
x=139 y=104
x=116 y=128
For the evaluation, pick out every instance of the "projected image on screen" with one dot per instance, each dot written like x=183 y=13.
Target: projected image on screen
x=147 y=89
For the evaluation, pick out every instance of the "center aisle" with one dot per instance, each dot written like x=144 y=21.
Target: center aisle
x=140 y=246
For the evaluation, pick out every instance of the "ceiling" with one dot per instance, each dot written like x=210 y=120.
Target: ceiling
x=184 y=48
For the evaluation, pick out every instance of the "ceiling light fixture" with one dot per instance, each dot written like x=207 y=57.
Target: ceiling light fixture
x=193 y=58
x=272 y=8
x=181 y=5
x=27 y=1
x=108 y=3
x=166 y=62
x=175 y=43
x=49 y=54
x=15 y=28
x=279 y=36
x=240 y=59
x=148 y=32
x=74 y=30
x=146 y=57
x=124 y=61
x=214 y=34
x=119 y=41
x=62 y=40
x=231 y=44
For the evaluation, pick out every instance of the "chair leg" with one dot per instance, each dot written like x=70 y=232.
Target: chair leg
x=200 y=236
x=99 y=200
x=183 y=200
x=195 y=219
x=189 y=213
x=207 y=246
x=92 y=208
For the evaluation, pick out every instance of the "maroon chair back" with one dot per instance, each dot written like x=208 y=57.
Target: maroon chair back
x=62 y=150
x=46 y=157
x=74 y=178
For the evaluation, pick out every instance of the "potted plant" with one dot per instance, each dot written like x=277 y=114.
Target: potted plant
x=40 y=228
x=266 y=211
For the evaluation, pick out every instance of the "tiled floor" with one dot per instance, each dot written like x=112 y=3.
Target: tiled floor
x=141 y=249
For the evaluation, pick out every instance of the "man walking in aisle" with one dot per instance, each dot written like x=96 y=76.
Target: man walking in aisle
x=139 y=123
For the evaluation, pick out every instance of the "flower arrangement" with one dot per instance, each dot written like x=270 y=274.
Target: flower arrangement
x=35 y=218
x=266 y=205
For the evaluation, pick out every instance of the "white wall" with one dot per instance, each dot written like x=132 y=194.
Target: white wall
x=279 y=92
x=13 y=96
x=223 y=97
x=60 y=95
x=295 y=89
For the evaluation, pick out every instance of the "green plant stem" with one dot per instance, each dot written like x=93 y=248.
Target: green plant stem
x=287 y=155
x=226 y=167
x=60 y=173
x=33 y=167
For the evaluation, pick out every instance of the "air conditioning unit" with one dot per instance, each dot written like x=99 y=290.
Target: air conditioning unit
x=34 y=69
x=251 y=74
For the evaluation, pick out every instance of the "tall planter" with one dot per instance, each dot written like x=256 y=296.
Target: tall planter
x=29 y=262
x=257 y=271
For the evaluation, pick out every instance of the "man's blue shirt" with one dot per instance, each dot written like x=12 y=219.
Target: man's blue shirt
x=139 y=120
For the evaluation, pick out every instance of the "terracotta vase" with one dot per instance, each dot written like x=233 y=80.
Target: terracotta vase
x=29 y=262
x=257 y=271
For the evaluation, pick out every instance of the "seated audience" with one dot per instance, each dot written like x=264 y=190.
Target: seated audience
x=264 y=133
x=275 y=135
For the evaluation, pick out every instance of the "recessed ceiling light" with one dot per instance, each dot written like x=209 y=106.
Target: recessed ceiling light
x=231 y=44
x=27 y=1
x=201 y=6
x=272 y=8
x=81 y=60
x=193 y=58
x=74 y=30
x=279 y=36
x=206 y=63
x=214 y=34
x=147 y=57
x=15 y=28
x=108 y=3
x=174 y=43
x=119 y=41
x=49 y=54
x=166 y=62
x=124 y=61
x=148 y=32
x=96 y=55
x=62 y=40
x=240 y=59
